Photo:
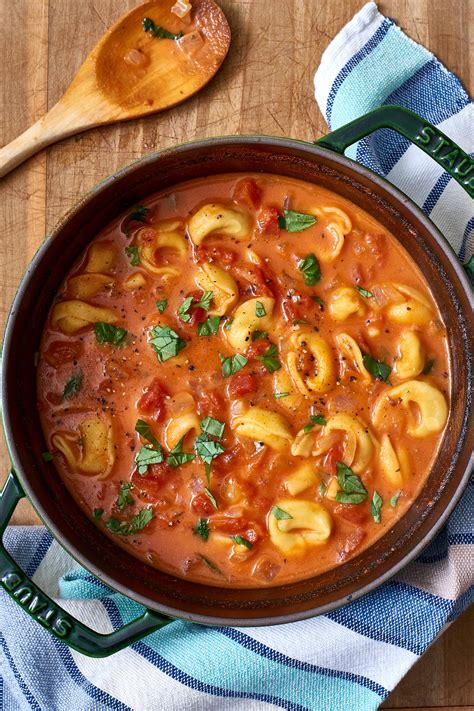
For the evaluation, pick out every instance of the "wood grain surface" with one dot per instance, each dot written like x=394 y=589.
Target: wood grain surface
x=265 y=86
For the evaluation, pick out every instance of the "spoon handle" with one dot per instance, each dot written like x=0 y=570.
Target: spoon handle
x=61 y=121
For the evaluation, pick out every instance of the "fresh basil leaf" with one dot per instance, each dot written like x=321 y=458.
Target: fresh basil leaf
x=165 y=342
x=228 y=324
x=205 y=302
x=209 y=327
x=315 y=420
x=311 y=270
x=277 y=396
x=241 y=541
x=47 y=456
x=270 y=359
x=158 y=31
x=97 y=514
x=146 y=456
x=318 y=300
x=469 y=268
x=207 y=449
x=260 y=310
x=213 y=427
x=124 y=498
x=211 y=498
x=322 y=489
x=353 y=490
x=133 y=254
x=375 y=506
x=176 y=457
x=73 y=385
x=279 y=514
x=202 y=528
x=143 y=429
x=106 y=333
x=394 y=500
x=184 y=308
x=232 y=364
x=363 y=292
x=139 y=213
x=259 y=335
x=299 y=322
x=377 y=368
x=128 y=528
x=292 y=221
x=212 y=566
x=428 y=366
x=161 y=305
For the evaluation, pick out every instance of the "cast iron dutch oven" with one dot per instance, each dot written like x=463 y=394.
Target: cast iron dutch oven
x=163 y=595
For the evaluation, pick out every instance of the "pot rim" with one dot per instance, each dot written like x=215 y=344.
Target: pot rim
x=77 y=555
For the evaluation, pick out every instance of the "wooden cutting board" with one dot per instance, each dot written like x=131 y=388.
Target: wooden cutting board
x=265 y=86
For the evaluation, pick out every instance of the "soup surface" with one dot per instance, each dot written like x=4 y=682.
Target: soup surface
x=244 y=381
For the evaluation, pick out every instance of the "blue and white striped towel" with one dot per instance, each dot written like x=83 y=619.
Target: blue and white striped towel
x=351 y=658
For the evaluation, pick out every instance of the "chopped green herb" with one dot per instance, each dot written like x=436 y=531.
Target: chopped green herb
x=279 y=395
x=394 y=500
x=208 y=470
x=228 y=324
x=176 y=457
x=128 y=528
x=315 y=420
x=161 y=305
x=205 y=302
x=311 y=270
x=139 y=213
x=73 y=385
x=146 y=456
x=375 y=506
x=124 y=498
x=270 y=359
x=207 y=449
x=202 y=528
x=363 y=292
x=97 y=514
x=133 y=254
x=241 y=541
x=184 y=308
x=353 y=490
x=211 y=498
x=158 y=31
x=259 y=335
x=47 y=456
x=260 y=310
x=429 y=365
x=292 y=221
x=280 y=515
x=213 y=427
x=143 y=429
x=318 y=300
x=322 y=489
x=377 y=368
x=232 y=364
x=212 y=566
x=469 y=267
x=106 y=333
x=299 y=321
x=165 y=342
x=209 y=327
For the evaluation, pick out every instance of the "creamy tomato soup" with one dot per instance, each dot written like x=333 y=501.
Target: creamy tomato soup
x=244 y=381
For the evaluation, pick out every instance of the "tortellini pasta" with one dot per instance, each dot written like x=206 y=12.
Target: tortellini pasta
x=91 y=452
x=338 y=226
x=411 y=359
x=282 y=384
x=134 y=281
x=224 y=288
x=343 y=302
x=183 y=419
x=263 y=426
x=83 y=286
x=100 y=258
x=323 y=377
x=218 y=218
x=245 y=321
x=394 y=465
x=310 y=525
x=156 y=245
x=301 y=479
x=358 y=443
x=430 y=402
x=350 y=349
x=70 y=316
x=414 y=310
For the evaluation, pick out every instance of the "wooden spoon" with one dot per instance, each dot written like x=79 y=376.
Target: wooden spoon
x=131 y=72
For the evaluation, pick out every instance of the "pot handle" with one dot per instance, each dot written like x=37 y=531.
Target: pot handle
x=47 y=612
x=423 y=134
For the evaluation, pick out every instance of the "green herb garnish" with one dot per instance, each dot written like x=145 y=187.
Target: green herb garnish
x=322 y=489
x=146 y=456
x=353 y=490
x=260 y=310
x=428 y=366
x=377 y=368
x=209 y=327
x=97 y=514
x=124 y=498
x=394 y=500
x=212 y=566
x=128 y=528
x=241 y=541
x=205 y=302
x=292 y=221
x=277 y=396
x=299 y=321
x=202 y=528
x=228 y=324
x=106 y=333
x=207 y=449
x=311 y=270
x=232 y=364
x=213 y=427
x=259 y=335
x=47 y=456
x=176 y=457
x=165 y=342
x=211 y=498
x=375 y=506
x=184 y=308
x=139 y=213
x=161 y=305
x=158 y=31
x=363 y=292
x=318 y=300
x=133 y=254
x=315 y=420
x=280 y=515
x=143 y=429
x=73 y=385
x=270 y=359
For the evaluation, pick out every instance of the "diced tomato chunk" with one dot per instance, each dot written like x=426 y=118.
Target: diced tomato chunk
x=257 y=348
x=299 y=306
x=202 y=505
x=242 y=384
x=267 y=221
x=354 y=513
x=210 y=253
x=247 y=191
x=253 y=533
x=211 y=404
x=153 y=400
x=228 y=524
x=334 y=454
x=152 y=481
x=59 y=352
x=256 y=281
